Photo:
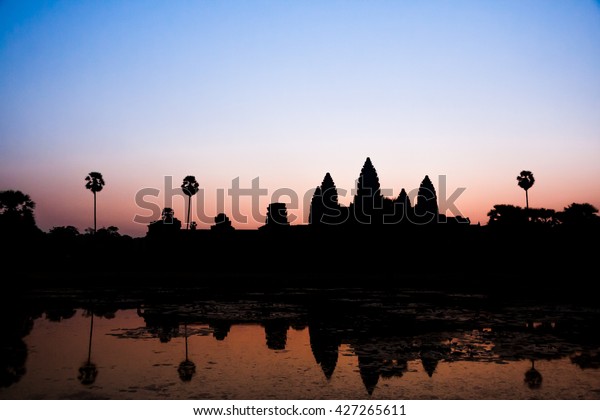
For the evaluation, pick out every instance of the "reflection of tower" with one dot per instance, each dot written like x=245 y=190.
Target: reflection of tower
x=430 y=361
x=393 y=368
x=187 y=368
x=220 y=329
x=587 y=360
x=165 y=326
x=533 y=378
x=276 y=333
x=431 y=353
x=324 y=344
x=369 y=366
x=88 y=371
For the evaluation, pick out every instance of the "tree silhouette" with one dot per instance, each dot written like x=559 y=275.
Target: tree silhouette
x=16 y=212
x=94 y=183
x=17 y=204
x=507 y=215
x=542 y=216
x=525 y=180
x=368 y=202
x=426 y=207
x=109 y=232
x=579 y=214
x=64 y=232
x=190 y=188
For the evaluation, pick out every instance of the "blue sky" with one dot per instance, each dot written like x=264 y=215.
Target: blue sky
x=287 y=91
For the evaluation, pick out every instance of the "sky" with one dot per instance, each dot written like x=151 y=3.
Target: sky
x=147 y=92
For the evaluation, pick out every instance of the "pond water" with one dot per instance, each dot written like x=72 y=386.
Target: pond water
x=376 y=348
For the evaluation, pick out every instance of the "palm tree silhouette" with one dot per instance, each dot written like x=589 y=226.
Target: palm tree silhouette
x=95 y=183
x=187 y=368
x=190 y=188
x=525 y=180
x=88 y=371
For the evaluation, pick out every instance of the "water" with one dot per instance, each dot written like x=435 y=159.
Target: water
x=372 y=346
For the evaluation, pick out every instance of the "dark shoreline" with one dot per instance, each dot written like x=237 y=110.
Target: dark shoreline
x=539 y=264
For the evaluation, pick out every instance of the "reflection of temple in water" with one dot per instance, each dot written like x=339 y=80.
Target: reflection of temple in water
x=369 y=365
x=220 y=328
x=324 y=344
x=276 y=333
x=381 y=352
x=165 y=326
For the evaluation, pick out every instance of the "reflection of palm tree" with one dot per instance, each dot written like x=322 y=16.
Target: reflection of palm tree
x=533 y=378
x=187 y=368
x=95 y=183
x=190 y=188
x=525 y=180
x=88 y=371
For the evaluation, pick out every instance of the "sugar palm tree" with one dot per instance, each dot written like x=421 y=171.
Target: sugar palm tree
x=190 y=188
x=95 y=183
x=525 y=180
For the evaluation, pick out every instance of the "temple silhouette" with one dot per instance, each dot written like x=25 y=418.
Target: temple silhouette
x=368 y=209
x=374 y=240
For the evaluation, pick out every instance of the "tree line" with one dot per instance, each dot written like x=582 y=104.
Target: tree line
x=368 y=207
